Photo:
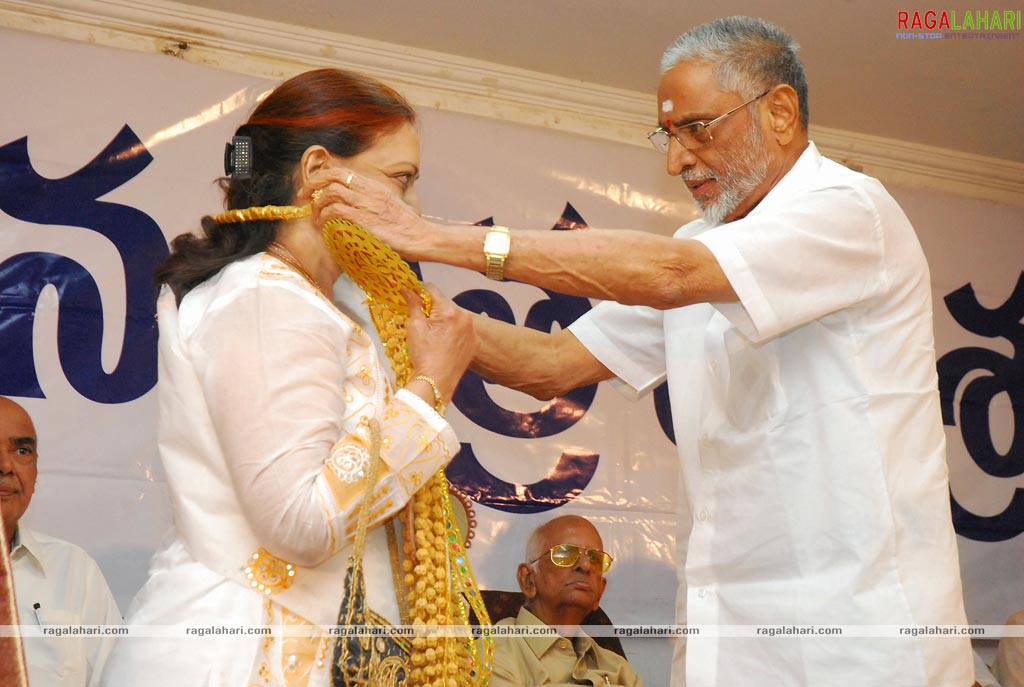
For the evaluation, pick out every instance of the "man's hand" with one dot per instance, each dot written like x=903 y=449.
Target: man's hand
x=371 y=205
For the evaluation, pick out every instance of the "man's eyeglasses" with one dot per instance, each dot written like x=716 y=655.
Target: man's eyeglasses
x=694 y=134
x=566 y=555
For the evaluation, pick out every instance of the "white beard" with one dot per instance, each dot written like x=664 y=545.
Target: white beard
x=740 y=176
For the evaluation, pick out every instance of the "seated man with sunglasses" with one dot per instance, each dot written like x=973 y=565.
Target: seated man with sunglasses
x=563 y=580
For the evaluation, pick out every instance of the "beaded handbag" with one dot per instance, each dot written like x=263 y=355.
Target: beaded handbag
x=367 y=653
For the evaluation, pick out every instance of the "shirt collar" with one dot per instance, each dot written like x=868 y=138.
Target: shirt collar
x=801 y=171
x=26 y=544
x=541 y=643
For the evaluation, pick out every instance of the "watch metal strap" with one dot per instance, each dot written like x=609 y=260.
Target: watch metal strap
x=496 y=260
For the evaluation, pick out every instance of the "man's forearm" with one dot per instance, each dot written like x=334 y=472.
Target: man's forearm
x=629 y=267
x=540 y=364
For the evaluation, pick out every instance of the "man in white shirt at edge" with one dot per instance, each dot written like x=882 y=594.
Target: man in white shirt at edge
x=793 y=323
x=55 y=583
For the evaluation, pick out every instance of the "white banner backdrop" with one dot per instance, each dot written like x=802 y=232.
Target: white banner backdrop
x=101 y=484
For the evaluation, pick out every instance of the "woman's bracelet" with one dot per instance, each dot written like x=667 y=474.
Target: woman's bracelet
x=440 y=405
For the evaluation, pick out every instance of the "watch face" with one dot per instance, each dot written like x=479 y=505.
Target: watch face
x=497 y=243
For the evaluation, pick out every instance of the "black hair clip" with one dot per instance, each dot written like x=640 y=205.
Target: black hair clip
x=238 y=157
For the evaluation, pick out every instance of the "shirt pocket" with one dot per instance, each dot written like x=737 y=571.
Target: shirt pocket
x=56 y=659
x=745 y=377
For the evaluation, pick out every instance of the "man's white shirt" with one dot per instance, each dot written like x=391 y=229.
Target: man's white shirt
x=69 y=589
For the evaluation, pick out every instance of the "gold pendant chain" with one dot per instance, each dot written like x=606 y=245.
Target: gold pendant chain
x=287 y=257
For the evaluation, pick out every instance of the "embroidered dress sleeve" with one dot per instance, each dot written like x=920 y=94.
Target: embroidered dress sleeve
x=415 y=443
x=285 y=390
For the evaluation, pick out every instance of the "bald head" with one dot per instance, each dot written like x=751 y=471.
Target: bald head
x=18 y=467
x=554 y=531
x=562 y=594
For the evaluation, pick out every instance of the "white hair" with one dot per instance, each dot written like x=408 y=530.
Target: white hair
x=748 y=56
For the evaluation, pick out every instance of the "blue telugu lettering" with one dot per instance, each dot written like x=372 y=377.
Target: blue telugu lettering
x=72 y=201
x=572 y=472
x=1006 y=376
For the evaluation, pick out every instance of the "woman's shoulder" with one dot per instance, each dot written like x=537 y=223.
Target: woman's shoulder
x=259 y=281
x=251 y=275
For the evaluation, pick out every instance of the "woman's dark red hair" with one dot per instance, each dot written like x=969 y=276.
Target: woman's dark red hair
x=343 y=111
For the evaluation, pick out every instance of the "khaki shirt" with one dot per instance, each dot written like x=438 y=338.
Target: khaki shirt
x=1009 y=666
x=556 y=660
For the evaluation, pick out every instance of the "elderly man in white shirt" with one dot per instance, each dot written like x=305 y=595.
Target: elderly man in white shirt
x=55 y=582
x=793 y=324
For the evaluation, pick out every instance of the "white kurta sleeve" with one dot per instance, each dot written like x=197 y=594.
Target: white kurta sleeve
x=287 y=387
x=628 y=340
x=796 y=264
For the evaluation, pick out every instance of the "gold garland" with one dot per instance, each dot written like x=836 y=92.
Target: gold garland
x=433 y=545
x=381 y=274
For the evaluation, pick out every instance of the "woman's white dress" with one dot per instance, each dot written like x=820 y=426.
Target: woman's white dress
x=265 y=387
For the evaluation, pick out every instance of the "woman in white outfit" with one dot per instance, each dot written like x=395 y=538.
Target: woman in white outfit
x=267 y=386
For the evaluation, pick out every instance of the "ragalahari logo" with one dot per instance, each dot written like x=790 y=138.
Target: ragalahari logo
x=958 y=24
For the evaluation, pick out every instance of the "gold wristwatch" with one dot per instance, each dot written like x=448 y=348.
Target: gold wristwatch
x=497 y=244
